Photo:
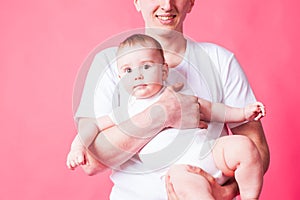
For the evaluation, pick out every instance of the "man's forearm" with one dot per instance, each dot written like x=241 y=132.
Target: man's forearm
x=117 y=144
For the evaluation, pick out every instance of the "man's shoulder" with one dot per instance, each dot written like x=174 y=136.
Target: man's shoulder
x=107 y=52
x=211 y=48
x=106 y=58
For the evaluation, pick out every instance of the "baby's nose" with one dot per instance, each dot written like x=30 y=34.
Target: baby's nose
x=139 y=76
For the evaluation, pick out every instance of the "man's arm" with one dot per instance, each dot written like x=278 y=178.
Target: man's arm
x=117 y=144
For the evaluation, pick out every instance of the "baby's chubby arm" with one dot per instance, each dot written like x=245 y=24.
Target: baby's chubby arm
x=220 y=112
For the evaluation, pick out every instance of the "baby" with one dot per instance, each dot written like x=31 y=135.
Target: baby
x=143 y=71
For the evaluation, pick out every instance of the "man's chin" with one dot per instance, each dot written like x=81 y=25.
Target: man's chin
x=163 y=31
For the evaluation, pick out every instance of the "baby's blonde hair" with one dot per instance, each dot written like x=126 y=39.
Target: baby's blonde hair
x=140 y=40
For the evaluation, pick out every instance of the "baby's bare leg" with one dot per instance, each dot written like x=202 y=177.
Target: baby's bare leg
x=187 y=185
x=238 y=156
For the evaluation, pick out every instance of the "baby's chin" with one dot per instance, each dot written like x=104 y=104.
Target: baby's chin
x=140 y=95
x=143 y=93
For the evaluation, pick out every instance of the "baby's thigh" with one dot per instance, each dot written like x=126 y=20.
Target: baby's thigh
x=233 y=146
x=230 y=151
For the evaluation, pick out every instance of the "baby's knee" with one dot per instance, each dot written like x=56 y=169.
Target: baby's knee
x=247 y=144
x=248 y=149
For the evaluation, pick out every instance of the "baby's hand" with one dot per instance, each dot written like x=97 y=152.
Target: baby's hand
x=254 y=111
x=76 y=157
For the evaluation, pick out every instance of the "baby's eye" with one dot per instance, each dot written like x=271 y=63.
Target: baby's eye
x=127 y=70
x=147 y=66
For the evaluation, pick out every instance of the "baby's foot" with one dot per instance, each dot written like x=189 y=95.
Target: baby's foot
x=76 y=157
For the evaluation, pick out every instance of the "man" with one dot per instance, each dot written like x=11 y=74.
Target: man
x=116 y=146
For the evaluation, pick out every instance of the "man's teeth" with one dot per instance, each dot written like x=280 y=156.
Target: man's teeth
x=165 y=17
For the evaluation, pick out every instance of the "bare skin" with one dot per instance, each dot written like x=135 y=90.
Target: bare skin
x=218 y=192
x=153 y=12
x=210 y=112
x=120 y=143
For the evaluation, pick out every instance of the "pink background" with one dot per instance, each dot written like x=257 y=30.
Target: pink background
x=44 y=42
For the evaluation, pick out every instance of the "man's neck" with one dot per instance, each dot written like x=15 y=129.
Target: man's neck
x=174 y=46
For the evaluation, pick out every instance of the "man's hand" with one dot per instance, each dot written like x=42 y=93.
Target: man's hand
x=181 y=111
x=93 y=166
x=225 y=192
x=170 y=189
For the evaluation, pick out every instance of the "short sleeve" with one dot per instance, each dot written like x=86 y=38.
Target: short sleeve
x=98 y=98
x=236 y=90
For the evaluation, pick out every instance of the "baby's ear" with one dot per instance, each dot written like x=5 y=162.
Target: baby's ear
x=165 y=70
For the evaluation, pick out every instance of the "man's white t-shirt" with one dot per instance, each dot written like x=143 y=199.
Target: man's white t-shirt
x=211 y=71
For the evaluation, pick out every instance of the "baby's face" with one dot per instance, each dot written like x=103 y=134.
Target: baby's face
x=142 y=72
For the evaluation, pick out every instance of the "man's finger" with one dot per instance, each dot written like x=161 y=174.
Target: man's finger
x=170 y=189
x=203 y=124
x=199 y=171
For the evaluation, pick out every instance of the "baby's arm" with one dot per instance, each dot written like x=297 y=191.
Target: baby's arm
x=87 y=132
x=251 y=112
x=220 y=112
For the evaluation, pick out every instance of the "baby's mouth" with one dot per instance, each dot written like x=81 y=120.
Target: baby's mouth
x=139 y=85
